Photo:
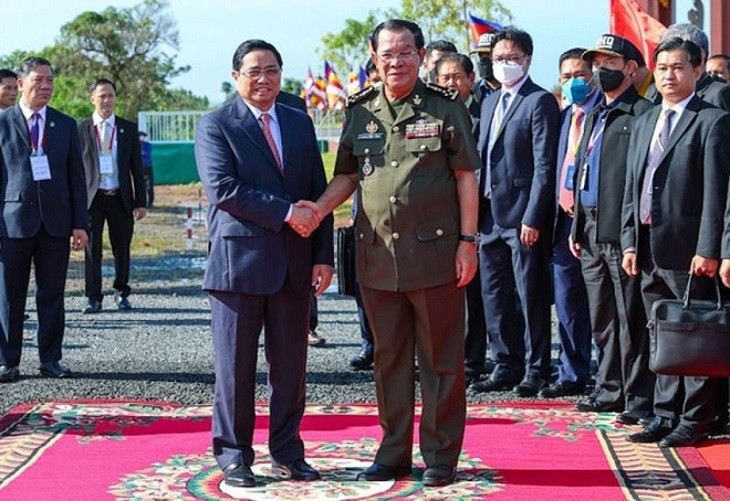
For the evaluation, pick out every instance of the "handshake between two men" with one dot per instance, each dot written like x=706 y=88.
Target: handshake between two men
x=305 y=217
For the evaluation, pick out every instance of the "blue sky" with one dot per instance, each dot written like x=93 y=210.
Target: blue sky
x=210 y=30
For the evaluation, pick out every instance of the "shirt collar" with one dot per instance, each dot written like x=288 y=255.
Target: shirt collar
x=27 y=112
x=680 y=106
x=515 y=88
x=110 y=121
x=257 y=112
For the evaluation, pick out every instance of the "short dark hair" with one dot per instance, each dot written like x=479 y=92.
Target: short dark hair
x=29 y=64
x=398 y=25
x=6 y=73
x=441 y=46
x=724 y=57
x=694 y=55
x=251 y=45
x=460 y=59
x=574 y=53
x=102 y=81
x=520 y=38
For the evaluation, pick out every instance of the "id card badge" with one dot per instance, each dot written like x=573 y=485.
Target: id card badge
x=106 y=165
x=570 y=178
x=40 y=168
x=584 y=177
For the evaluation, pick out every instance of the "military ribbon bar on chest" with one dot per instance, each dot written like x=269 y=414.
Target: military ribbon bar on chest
x=422 y=128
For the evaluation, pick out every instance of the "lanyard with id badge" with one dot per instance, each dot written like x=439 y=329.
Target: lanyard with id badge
x=595 y=136
x=106 y=161
x=39 y=166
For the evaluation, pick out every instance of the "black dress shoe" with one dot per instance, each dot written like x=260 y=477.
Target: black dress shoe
x=683 y=436
x=239 y=475
x=55 y=370
x=377 y=472
x=493 y=384
x=529 y=387
x=92 y=306
x=656 y=431
x=597 y=406
x=438 y=475
x=123 y=303
x=563 y=389
x=362 y=361
x=9 y=374
x=297 y=470
x=629 y=418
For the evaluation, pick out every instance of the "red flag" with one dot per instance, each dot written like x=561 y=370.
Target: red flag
x=479 y=26
x=631 y=22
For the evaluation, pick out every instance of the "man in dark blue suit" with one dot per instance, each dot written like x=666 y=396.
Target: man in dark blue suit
x=43 y=204
x=518 y=138
x=571 y=300
x=256 y=158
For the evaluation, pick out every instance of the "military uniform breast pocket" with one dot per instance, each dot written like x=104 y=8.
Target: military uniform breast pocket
x=369 y=154
x=423 y=145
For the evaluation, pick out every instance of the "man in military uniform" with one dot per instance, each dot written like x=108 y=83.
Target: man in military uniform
x=410 y=148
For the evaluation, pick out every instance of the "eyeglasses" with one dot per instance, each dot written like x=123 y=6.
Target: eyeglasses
x=389 y=57
x=256 y=74
x=514 y=59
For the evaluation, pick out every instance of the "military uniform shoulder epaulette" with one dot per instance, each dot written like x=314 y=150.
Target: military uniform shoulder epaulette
x=361 y=96
x=450 y=94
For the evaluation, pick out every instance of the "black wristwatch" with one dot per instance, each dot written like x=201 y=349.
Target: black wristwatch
x=472 y=238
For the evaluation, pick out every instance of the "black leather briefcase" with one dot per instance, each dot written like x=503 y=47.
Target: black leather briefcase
x=690 y=337
x=346 y=282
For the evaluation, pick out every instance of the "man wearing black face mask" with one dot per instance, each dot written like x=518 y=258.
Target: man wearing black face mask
x=624 y=382
x=487 y=83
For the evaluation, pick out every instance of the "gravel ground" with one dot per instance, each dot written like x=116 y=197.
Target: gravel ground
x=162 y=349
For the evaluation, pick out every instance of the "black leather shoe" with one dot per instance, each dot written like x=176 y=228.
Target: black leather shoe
x=123 y=303
x=55 y=370
x=377 y=472
x=529 y=387
x=493 y=384
x=438 y=475
x=239 y=475
x=9 y=374
x=656 y=431
x=683 y=436
x=92 y=306
x=598 y=406
x=563 y=389
x=298 y=470
x=630 y=418
x=362 y=361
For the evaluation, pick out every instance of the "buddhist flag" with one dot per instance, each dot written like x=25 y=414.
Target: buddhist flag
x=308 y=87
x=479 y=26
x=628 y=20
x=353 y=84
x=335 y=90
x=318 y=97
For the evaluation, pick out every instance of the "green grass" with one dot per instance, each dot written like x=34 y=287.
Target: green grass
x=342 y=213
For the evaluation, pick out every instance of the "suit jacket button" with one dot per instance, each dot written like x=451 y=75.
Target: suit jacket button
x=439 y=232
x=396 y=235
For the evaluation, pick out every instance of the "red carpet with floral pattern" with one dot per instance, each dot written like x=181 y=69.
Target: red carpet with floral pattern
x=152 y=450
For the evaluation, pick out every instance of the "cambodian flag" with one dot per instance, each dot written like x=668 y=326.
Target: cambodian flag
x=479 y=26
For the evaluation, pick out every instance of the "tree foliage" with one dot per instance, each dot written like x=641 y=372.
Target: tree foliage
x=130 y=46
x=439 y=19
x=449 y=19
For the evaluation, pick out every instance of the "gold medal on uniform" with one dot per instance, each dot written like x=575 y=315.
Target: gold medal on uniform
x=367 y=167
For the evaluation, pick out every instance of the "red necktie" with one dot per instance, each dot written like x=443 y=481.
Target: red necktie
x=576 y=130
x=265 y=119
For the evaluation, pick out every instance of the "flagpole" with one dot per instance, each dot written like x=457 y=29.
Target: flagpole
x=466 y=24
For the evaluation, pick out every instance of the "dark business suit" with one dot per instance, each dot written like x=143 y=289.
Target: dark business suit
x=522 y=173
x=36 y=222
x=259 y=271
x=617 y=317
x=689 y=192
x=116 y=210
x=571 y=301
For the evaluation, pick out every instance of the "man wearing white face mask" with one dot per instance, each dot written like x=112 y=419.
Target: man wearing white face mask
x=571 y=301
x=624 y=383
x=517 y=141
